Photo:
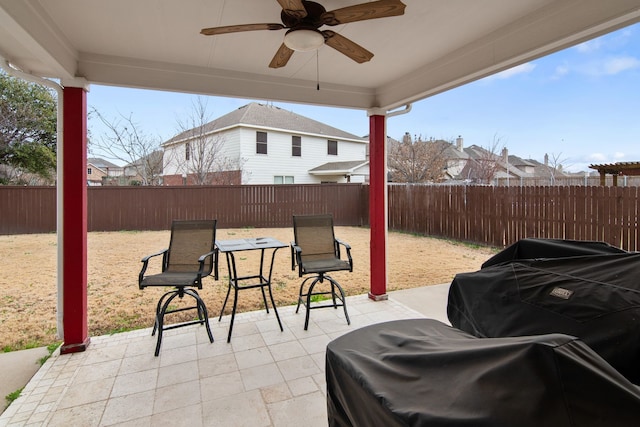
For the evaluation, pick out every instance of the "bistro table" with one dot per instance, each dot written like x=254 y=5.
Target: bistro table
x=259 y=280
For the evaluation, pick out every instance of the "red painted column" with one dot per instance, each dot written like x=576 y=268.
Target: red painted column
x=74 y=221
x=378 y=206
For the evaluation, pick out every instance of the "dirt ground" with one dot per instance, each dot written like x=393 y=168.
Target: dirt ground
x=29 y=294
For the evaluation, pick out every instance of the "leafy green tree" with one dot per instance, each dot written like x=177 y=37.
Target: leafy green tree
x=27 y=132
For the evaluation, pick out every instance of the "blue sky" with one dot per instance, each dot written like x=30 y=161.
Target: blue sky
x=580 y=105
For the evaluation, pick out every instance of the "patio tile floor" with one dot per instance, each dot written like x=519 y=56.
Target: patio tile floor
x=264 y=377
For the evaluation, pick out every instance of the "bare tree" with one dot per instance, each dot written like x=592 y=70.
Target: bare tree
x=126 y=142
x=417 y=160
x=485 y=162
x=202 y=159
x=554 y=164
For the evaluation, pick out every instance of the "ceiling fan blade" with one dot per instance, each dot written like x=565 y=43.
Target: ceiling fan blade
x=347 y=47
x=293 y=8
x=239 y=28
x=281 y=57
x=364 y=11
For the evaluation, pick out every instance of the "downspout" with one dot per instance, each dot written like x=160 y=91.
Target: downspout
x=407 y=108
x=12 y=71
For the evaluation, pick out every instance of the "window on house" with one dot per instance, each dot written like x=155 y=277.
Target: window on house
x=187 y=151
x=332 y=147
x=280 y=179
x=296 y=146
x=88 y=171
x=261 y=142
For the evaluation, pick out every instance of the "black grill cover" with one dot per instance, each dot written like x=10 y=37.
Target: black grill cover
x=550 y=248
x=593 y=297
x=422 y=372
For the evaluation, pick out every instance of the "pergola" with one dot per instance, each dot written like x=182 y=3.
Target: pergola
x=616 y=169
x=155 y=44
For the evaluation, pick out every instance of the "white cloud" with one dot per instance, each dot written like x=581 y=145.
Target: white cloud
x=618 y=155
x=597 y=157
x=561 y=71
x=520 y=69
x=608 y=42
x=619 y=64
x=590 y=46
x=609 y=66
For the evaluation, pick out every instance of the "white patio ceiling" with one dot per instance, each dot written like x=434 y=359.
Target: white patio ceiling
x=435 y=46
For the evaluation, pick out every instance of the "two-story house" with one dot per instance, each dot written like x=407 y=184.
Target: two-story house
x=264 y=144
x=102 y=172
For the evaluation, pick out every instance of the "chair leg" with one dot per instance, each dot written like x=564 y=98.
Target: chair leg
x=333 y=293
x=308 y=305
x=158 y=309
x=202 y=309
x=199 y=303
x=160 y=318
x=342 y=297
x=305 y=298
x=300 y=294
x=163 y=308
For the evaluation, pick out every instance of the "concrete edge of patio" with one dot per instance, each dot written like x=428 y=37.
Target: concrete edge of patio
x=17 y=368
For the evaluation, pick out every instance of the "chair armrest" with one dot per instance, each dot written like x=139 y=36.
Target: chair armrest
x=146 y=259
x=348 y=249
x=145 y=264
x=214 y=267
x=343 y=243
x=296 y=251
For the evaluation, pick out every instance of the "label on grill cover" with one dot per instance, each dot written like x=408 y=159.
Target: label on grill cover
x=561 y=293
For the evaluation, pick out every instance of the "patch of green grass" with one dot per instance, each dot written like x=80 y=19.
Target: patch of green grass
x=13 y=395
x=50 y=348
x=22 y=346
x=124 y=323
x=318 y=298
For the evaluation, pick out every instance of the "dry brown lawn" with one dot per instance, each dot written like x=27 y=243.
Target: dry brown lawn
x=29 y=294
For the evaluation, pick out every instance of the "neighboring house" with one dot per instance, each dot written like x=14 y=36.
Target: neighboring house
x=146 y=170
x=476 y=164
x=102 y=172
x=456 y=159
x=264 y=144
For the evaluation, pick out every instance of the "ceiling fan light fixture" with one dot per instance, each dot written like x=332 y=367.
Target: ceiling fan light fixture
x=303 y=40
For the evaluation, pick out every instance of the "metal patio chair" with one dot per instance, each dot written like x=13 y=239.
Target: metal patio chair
x=190 y=257
x=316 y=251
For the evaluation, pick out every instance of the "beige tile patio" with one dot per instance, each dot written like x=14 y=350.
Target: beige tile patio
x=264 y=377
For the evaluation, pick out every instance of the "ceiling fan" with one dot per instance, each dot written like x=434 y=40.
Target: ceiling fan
x=303 y=19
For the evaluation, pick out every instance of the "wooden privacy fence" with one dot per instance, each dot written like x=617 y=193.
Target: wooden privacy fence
x=33 y=209
x=496 y=216
x=499 y=216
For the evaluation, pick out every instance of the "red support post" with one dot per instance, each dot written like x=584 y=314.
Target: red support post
x=74 y=221
x=378 y=207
